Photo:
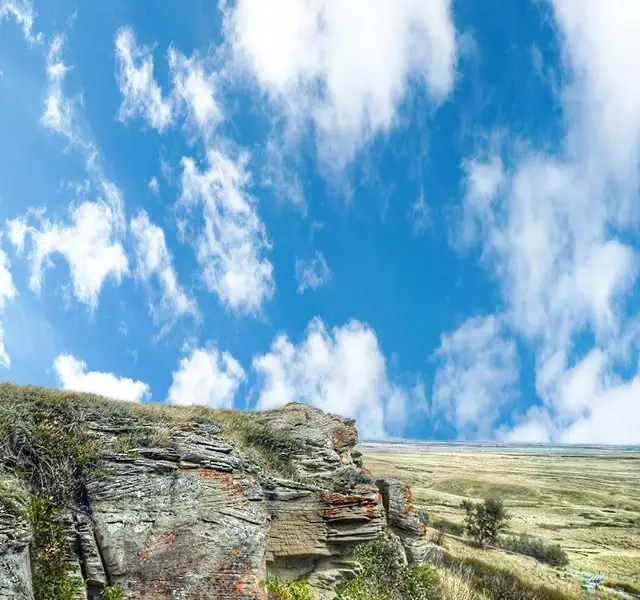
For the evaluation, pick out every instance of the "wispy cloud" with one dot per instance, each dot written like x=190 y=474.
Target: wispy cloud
x=153 y=259
x=555 y=227
x=22 y=11
x=477 y=376
x=312 y=273
x=141 y=95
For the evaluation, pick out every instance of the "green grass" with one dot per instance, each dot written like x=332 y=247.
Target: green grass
x=288 y=590
x=113 y=592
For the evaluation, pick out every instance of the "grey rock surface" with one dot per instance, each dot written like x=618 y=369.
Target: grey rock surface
x=15 y=536
x=177 y=510
x=402 y=519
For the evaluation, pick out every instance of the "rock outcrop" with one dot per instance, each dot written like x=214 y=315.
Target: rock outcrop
x=189 y=508
x=402 y=519
x=15 y=536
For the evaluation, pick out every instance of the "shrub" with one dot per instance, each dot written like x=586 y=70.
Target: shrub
x=484 y=520
x=292 y=590
x=552 y=554
x=385 y=577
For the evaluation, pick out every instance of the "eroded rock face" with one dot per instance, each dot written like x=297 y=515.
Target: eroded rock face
x=180 y=522
x=186 y=514
x=402 y=519
x=15 y=536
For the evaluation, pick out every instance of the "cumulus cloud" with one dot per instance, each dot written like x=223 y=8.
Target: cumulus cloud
x=231 y=245
x=89 y=244
x=207 y=376
x=141 y=95
x=22 y=11
x=341 y=371
x=312 y=273
x=343 y=67
x=72 y=375
x=556 y=228
x=153 y=259
x=477 y=376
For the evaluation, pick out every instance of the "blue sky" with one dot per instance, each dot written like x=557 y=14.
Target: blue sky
x=422 y=214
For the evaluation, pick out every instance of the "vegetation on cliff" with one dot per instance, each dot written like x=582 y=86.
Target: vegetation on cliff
x=48 y=442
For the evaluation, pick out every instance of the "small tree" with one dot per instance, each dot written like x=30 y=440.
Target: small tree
x=485 y=520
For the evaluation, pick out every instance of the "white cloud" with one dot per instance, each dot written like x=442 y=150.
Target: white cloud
x=231 y=245
x=73 y=375
x=419 y=215
x=557 y=230
x=207 y=376
x=484 y=178
x=7 y=292
x=154 y=186
x=312 y=273
x=141 y=95
x=5 y=359
x=341 y=371
x=22 y=11
x=7 y=289
x=280 y=176
x=17 y=232
x=601 y=47
x=477 y=376
x=154 y=259
x=343 y=67
x=89 y=244
x=195 y=88
x=58 y=114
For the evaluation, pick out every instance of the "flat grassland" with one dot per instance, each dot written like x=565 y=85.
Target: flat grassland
x=587 y=499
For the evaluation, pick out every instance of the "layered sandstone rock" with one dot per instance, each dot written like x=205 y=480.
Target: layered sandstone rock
x=184 y=511
x=402 y=519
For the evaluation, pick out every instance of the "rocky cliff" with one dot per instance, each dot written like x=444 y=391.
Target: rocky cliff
x=102 y=499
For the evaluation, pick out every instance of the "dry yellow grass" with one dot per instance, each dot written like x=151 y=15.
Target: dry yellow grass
x=454 y=586
x=588 y=501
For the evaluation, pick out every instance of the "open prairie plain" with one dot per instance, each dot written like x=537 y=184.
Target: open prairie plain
x=587 y=499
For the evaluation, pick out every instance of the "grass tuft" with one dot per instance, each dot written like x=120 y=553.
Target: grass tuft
x=291 y=590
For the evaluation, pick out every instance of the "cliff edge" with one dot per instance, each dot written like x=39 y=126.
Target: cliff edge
x=107 y=500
